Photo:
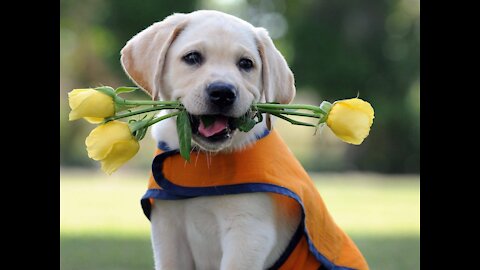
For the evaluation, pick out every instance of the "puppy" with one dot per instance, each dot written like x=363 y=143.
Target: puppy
x=243 y=201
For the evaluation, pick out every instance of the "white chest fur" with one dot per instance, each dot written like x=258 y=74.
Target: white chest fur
x=244 y=231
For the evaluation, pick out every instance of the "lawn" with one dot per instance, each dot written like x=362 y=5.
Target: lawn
x=103 y=227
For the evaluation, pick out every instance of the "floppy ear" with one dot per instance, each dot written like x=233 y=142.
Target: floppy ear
x=143 y=56
x=278 y=81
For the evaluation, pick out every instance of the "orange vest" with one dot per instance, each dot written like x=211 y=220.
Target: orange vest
x=267 y=166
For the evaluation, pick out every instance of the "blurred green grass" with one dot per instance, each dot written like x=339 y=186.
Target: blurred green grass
x=103 y=227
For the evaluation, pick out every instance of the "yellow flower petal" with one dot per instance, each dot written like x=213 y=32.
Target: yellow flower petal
x=351 y=119
x=90 y=103
x=94 y=120
x=112 y=144
x=104 y=136
x=120 y=152
x=76 y=97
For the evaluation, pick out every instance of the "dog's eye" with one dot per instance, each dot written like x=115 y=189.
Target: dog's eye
x=245 y=64
x=193 y=58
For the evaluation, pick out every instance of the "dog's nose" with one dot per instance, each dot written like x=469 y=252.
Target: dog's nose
x=222 y=94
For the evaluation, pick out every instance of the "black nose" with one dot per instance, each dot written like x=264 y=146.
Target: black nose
x=222 y=94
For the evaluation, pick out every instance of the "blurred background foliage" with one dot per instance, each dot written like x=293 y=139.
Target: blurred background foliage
x=336 y=49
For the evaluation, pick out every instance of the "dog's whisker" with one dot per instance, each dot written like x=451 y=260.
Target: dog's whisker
x=198 y=154
x=211 y=158
x=208 y=159
x=192 y=149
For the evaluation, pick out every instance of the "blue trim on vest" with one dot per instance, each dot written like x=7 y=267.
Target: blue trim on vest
x=264 y=134
x=297 y=236
x=171 y=191
x=163 y=146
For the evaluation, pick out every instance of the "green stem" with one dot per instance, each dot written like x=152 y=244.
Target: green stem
x=158 y=119
x=146 y=110
x=289 y=106
x=122 y=101
x=153 y=121
x=295 y=122
x=290 y=113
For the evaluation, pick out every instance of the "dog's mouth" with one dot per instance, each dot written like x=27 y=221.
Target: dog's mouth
x=213 y=128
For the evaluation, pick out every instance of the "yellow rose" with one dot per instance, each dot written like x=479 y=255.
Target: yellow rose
x=112 y=144
x=90 y=104
x=351 y=119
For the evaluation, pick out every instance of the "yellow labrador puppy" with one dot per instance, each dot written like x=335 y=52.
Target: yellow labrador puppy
x=216 y=65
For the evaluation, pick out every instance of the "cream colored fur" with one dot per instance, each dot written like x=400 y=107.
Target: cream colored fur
x=245 y=231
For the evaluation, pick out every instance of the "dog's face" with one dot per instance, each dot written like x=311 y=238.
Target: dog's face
x=216 y=73
x=217 y=65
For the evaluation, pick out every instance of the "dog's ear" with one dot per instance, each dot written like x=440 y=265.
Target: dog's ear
x=278 y=81
x=144 y=54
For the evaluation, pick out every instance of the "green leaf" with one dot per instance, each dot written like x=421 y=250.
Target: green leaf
x=137 y=124
x=326 y=106
x=259 y=116
x=138 y=127
x=245 y=123
x=107 y=90
x=141 y=133
x=125 y=89
x=207 y=120
x=184 y=134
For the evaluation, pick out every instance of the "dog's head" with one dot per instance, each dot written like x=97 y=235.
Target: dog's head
x=217 y=65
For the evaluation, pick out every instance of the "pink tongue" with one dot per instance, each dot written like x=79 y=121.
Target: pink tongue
x=219 y=125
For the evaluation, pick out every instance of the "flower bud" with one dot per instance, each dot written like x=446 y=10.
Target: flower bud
x=351 y=119
x=112 y=144
x=90 y=104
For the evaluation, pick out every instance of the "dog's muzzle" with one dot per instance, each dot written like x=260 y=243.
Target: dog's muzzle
x=217 y=124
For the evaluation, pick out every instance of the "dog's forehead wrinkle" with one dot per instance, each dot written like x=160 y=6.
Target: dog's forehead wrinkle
x=230 y=43
x=212 y=27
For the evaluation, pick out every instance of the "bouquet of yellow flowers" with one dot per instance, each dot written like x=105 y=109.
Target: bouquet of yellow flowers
x=114 y=142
